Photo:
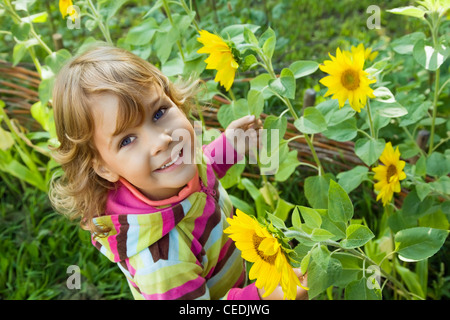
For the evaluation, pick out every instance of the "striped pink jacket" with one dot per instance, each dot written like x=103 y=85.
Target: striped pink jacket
x=178 y=250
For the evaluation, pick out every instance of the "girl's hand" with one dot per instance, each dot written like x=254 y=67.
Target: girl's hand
x=243 y=134
x=277 y=294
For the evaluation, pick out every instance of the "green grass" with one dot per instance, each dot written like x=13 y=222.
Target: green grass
x=38 y=245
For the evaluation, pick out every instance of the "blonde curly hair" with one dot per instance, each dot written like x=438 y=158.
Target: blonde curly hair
x=80 y=193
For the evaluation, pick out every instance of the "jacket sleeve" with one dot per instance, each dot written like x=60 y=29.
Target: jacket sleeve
x=169 y=280
x=177 y=280
x=249 y=292
x=221 y=154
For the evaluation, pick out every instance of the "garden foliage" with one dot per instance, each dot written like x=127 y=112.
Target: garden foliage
x=351 y=245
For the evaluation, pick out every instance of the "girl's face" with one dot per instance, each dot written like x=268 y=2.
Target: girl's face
x=143 y=155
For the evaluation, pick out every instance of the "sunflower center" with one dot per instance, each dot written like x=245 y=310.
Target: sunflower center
x=256 y=242
x=350 y=79
x=391 y=171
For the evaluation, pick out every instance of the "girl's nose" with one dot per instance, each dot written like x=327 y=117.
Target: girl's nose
x=160 y=142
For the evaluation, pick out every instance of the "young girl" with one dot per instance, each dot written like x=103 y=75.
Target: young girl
x=128 y=154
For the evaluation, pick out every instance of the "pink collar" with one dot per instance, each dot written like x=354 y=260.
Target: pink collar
x=192 y=186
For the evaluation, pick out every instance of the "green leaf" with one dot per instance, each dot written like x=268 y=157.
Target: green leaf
x=164 y=42
x=316 y=191
x=442 y=185
x=235 y=110
x=276 y=221
x=340 y=207
x=6 y=139
x=112 y=7
x=303 y=68
x=276 y=123
x=42 y=114
x=359 y=290
x=319 y=234
x=344 y=131
x=405 y=44
x=233 y=175
x=436 y=220
x=369 y=150
x=21 y=30
x=283 y=208
x=235 y=32
x=392 y=110
x=437 y=164
x=416 y=112
x=311 y=122
x=428 y=57
x=255 y=102
x=249 y=37
x=409 y=11
x=248 y=62
x=383 y=94
x=257 y=196
x=45 y=89
x=356 y=236
x=419 y=243
x=305 y=262
x=143 y=33
x=295 y=218
x=287 y=166
x=350 y=180
x=411 y=280
x=398 y=221
x=23 y=4
x=56 y=60
x=311 y=217
x=261 y=83
x=20 y=171
x=173 y=67
x=19 y=51
x=333 y=114
x=352 y=268
x=414 y=206
x=323 y=271
x=336 y=228
x=36 y=18
x=284 y=85
x=269 y=44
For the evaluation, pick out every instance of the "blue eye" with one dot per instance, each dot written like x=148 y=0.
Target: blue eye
x=158 y=114
x=126 y=141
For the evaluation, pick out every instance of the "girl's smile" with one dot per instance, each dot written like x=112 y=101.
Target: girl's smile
x=170 y=165
x=149 y=155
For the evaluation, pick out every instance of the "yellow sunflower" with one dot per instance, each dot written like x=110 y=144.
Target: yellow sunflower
x=389 y=174
x=368 y=54
x=270 y=264
x=220 y=58
x=347 y=80
x=64 y=5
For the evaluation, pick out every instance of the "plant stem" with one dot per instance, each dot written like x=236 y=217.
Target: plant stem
x=269 y=68
x=18 y=19
x=413 y=140
x=188 y=11
x=434 y=26
x=35 y=61
x=200 y=114
x=169 y=16
x=369 y=113
x=103 y=28
x=287 y=102
x=433 y=119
